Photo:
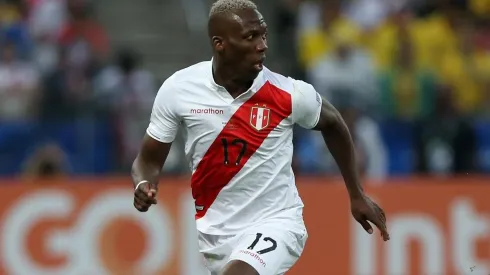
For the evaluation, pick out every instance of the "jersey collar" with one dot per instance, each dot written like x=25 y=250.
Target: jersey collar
x=255 y=85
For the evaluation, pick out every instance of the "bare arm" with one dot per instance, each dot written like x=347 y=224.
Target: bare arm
x=313 y=112
x=339 y=142
x=150 y=160
x=161 y=132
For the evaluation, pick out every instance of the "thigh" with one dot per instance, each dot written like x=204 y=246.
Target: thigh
x=215 y=251
x=238 y=267
x=270 y=249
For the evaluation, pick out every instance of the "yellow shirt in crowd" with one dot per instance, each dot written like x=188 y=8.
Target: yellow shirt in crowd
x=480 y=7
x=435 y=45
x=467 y=75
x=8 y=13
x=315 y=43
x=431 y=40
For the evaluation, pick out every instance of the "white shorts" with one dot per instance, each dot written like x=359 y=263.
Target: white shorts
x=272 y=247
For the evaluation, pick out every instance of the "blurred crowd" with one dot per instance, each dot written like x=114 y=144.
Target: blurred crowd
x=57 y=70
x=411 y=79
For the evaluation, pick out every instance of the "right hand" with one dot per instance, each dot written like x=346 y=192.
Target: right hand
x=144 y=197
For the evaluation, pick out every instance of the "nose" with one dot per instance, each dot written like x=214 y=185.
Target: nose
x=262 y=45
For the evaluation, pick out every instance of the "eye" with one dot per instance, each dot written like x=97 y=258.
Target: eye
x=250 y=37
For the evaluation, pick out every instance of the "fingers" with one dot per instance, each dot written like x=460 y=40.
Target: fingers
x=144 y=198
x=380 y=212
x=382 y=227
x=380 y=222
x=152 y=194
x=140 y=205
x=382 y=215
x=147 y=197
x=143 y=204
x=365 y=224
x=376 y=216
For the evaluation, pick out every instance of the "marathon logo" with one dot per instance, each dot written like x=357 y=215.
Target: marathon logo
x=254 y=255
x=207 y=111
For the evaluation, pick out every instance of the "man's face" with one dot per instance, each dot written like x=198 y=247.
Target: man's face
x=245 y=43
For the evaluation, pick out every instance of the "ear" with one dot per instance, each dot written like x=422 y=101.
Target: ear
x=218 y=43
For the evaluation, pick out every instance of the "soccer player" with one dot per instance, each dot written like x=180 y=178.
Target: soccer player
x=237 y=118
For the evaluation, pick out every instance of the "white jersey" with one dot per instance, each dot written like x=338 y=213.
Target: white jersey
x=239 y=150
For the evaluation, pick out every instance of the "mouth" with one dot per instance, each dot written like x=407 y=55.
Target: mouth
x=259 y=65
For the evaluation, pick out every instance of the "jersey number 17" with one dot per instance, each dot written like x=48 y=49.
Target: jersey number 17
x=235 y=142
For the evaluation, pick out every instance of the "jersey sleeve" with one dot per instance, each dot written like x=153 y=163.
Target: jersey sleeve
x=307 y=104
x=164 y=119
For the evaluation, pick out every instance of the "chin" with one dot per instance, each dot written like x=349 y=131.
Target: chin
x=256 y=70
x=253 y=76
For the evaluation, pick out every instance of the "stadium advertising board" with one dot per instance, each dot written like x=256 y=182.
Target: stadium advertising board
x=90 y=227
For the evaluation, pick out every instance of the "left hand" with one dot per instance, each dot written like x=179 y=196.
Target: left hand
x=365 y=210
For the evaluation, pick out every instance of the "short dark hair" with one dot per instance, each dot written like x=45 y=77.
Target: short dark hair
x=230 y=6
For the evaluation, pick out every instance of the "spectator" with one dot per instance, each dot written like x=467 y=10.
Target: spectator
x=128 y=90
x=67 y=90
x=445 y=142
x=466 y=69
x=84 y=39
x=348 y=68
x=48 y=161
x=406 y=91
x=19 y=86
x=14 y=29
x=82 y=50
x=370 y=13
x=9 y=12
x=437 y=37
x=47 y=18
x=431 y=35
x=308 y=14
x=383 y=41
x=316 y=43
x=480 y=7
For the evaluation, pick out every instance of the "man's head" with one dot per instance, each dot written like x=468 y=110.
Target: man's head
x=127 y=60
x=238 y=35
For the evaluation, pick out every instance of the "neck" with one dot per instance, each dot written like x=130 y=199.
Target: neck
x=225 y=76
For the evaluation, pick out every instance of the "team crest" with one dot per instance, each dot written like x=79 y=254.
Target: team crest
x=259 y=117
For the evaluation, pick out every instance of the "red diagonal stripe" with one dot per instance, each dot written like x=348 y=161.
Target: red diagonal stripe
x=212 y=174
